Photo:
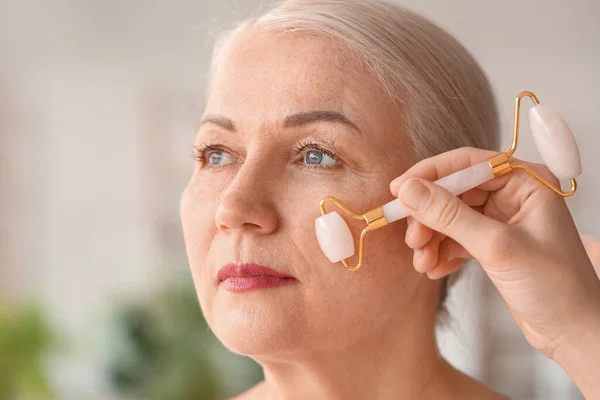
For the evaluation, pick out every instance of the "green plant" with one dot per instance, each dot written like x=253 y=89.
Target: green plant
x=167 y=352
x=25 y=338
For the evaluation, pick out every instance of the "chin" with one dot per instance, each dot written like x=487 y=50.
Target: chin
x=255 y=324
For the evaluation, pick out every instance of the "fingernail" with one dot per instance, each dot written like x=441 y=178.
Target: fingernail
x=414 y=194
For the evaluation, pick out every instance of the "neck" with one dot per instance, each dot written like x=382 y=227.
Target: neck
x=397 y=360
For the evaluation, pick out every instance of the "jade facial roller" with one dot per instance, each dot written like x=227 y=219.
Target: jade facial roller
x=552 y=137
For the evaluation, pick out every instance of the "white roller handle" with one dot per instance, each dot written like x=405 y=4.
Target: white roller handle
x=456 y=183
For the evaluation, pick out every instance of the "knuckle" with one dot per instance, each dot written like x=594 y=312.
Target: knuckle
x=448 y=213
x=545 y=172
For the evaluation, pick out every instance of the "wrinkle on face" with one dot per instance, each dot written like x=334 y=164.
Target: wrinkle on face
x=263 y=79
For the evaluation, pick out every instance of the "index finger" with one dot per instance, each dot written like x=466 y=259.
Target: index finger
x=444 y=164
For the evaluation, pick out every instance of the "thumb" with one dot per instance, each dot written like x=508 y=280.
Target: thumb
x=440 y=210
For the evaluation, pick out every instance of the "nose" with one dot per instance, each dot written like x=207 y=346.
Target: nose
x=247 y=203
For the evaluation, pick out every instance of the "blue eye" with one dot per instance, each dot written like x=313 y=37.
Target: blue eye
x=215 y=158
x=317 y=157
x=219 y=159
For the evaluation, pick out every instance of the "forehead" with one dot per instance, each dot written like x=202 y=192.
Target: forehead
x=268 y=75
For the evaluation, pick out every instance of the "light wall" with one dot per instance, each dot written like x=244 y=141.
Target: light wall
x=82 y=142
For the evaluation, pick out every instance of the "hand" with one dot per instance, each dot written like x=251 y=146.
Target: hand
x=520 y=232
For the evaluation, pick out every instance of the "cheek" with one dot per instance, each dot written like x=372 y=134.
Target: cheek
x=386 y=250
x=386 y=282
x=198 y=207
x=344 y=306
x=387 y=279
x=199 y=203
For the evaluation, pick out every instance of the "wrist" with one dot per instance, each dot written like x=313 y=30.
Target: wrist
x=579 y=353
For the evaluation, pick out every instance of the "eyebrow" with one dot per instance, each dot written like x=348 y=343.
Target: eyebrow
x=318 y=116
x=293 y=120
x=223 y=122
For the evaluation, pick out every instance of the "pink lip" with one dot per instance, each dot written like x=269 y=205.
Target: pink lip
x=246 y=277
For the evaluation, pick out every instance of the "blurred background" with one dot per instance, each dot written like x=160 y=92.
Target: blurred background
x=98 y=105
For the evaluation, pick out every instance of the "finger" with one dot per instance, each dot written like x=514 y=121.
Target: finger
x=417 y=234
x=519 y=177
x=450 y=258
x=444 y=164
x=426 y=257
x=450 y=248
x=438 y=209
x=444 y=269
x=475 y=197
x=506 y=202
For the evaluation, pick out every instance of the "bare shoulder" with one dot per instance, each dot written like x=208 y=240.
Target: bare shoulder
x=255 y=392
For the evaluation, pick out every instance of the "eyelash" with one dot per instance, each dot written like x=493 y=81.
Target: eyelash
x=302 y=146
x=199 y=153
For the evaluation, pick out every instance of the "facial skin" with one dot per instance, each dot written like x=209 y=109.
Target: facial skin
x=253 y=198
x=260 y=201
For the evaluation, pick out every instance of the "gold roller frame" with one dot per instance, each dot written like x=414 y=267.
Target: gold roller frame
x=500 y=164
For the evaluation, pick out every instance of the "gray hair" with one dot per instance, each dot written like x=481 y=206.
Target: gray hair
x=446 y=98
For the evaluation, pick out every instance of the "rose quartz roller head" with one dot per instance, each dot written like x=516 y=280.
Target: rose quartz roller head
x=552 y=137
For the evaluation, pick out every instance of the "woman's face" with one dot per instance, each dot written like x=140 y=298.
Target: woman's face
x=291 y=119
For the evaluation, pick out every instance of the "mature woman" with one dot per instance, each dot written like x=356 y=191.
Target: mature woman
x=342 y=97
